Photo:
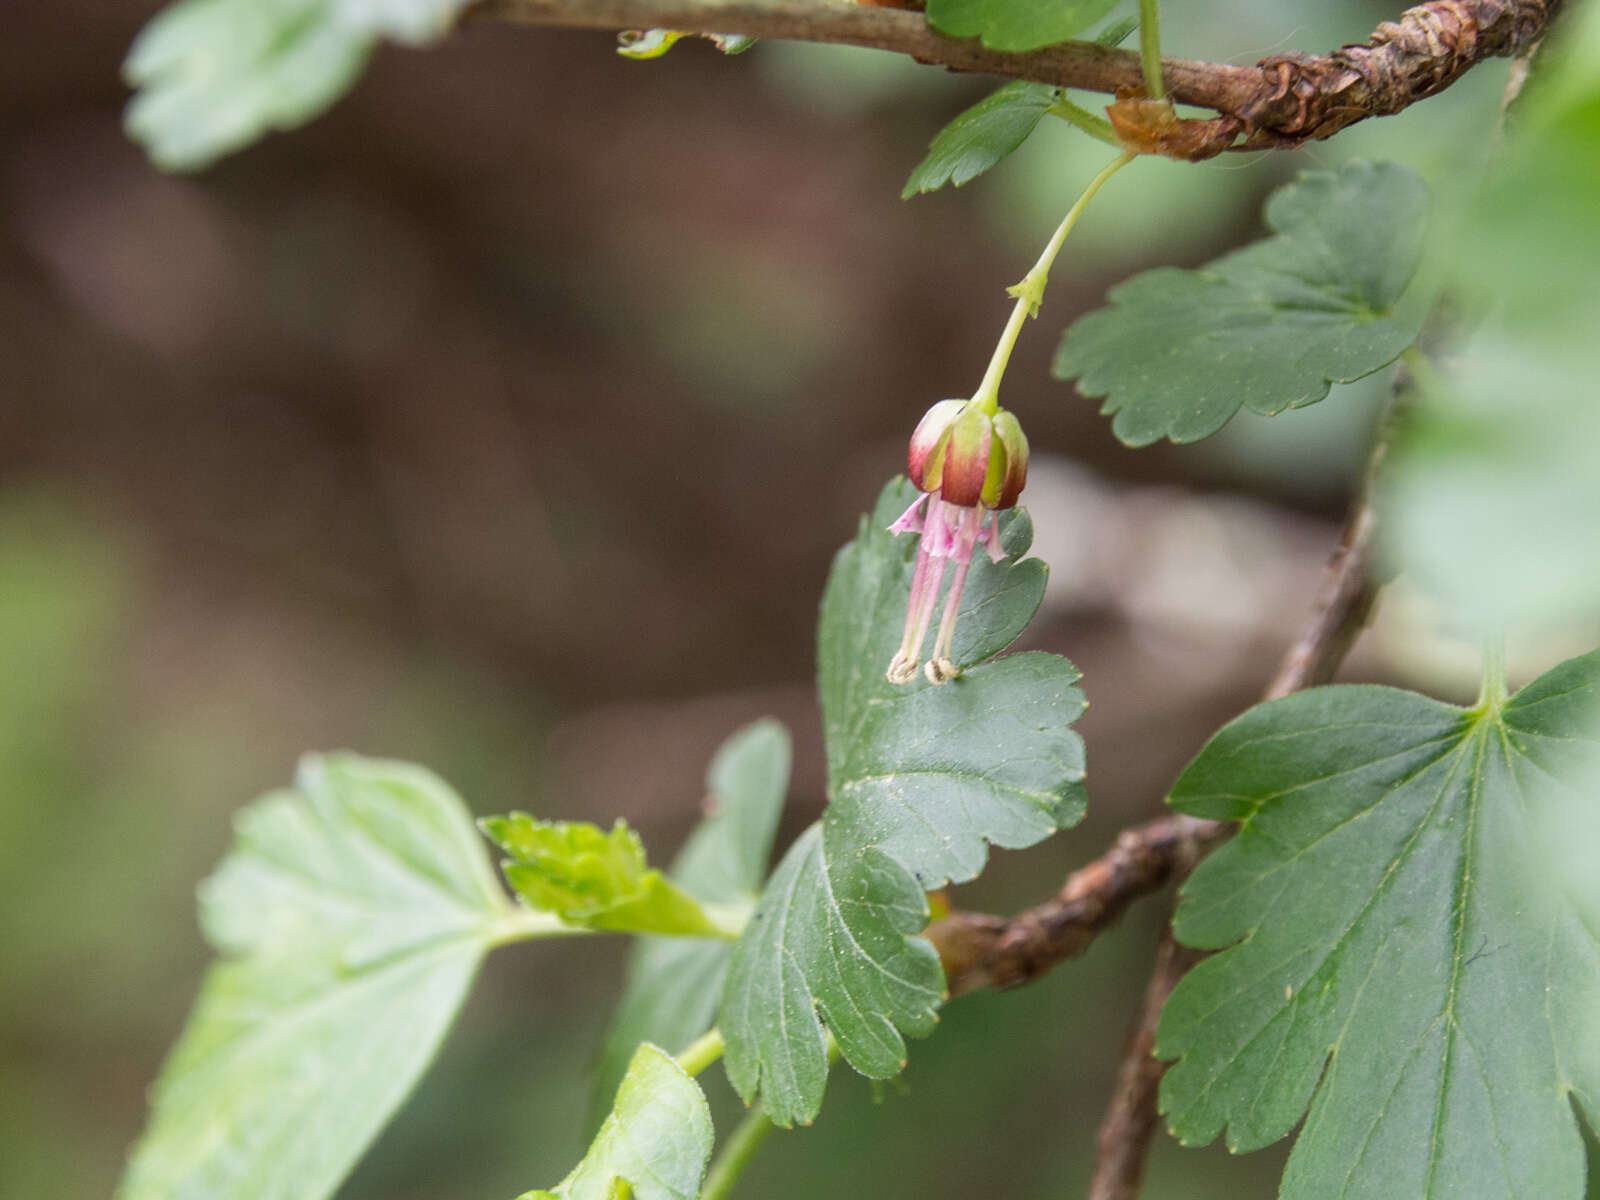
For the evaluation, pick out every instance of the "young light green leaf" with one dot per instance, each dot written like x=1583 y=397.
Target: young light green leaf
x=592 y=878
x=981 y=136
x=674 y=983
x=1398 y=955
x=214 y=75
x=653 y=43
x=656 y=1140
x=353 y=913
x=1268 y=327
x=1016 y=25
x=919 y=792
x=645 y=44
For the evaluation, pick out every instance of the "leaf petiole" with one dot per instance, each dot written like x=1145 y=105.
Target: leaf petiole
x=1095 y=126
x=525 y=924
x=704 y=1051
x=1492 y=692
x=1150 y=47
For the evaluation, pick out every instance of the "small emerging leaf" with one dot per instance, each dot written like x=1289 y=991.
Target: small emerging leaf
x=1267 y=328
x=981 y=136
x=1399 y=954
x=1016 y=25
x=653 y=43
x=352 y=914
x=656 y=1141
x=644 y=44
x=589 y=877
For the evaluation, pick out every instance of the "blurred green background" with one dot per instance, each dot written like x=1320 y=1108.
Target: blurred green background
x=506 y=420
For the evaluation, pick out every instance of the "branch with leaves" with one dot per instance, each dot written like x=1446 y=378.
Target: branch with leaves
x=1404 y=873
x=1284 y=100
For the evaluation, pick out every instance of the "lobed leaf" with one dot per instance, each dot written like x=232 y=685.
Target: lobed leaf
x=1269 y=327
x=918 y=793
x=656 y=1140
x=592 y=878
x=1396 y=954
x=353 y=912
x=1016 y=25
x=214 y=75
x=674 y=983
x=834 y=934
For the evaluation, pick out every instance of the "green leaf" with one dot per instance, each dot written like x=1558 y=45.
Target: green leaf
x=981 y=136
x=834 y=933
x=353 y=913
x=592 y=878
x=656 y=1140
x=922 y=779
x=1268 y=327
x=214 y=75
x=1492 y=497
x=674 y=983
x=1016 y=25
x=1399 y=956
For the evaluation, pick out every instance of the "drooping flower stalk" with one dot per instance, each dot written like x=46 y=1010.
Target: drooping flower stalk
x=969 y=458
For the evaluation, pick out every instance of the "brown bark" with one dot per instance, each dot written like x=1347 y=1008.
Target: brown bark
x=1282 y=101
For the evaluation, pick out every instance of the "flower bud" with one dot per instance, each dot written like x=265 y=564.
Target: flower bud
x=967 y=462
x=971 y=458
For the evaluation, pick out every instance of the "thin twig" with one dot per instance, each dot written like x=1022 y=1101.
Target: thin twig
x=1284 y=100
x=980 y=950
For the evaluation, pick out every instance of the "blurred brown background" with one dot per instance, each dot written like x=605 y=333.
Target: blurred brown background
x=506 y=420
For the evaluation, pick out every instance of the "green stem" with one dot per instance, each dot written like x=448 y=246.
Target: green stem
x=1492 y=693
x=524 y=924
x=741 y=1147
x=702 y=1053
x=1030 y=291
x=1150 y=47
x=736 y=1154
x=1095 y=126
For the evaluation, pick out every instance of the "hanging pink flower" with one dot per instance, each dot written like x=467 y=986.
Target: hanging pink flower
x=970 y=460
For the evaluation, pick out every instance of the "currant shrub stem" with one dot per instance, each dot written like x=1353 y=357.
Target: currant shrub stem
x=702 y=1053
x=736 y=1154
x=1031 y=290
x=1150 y=48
